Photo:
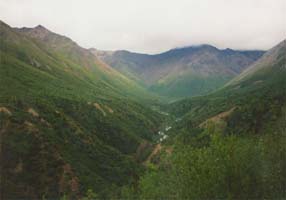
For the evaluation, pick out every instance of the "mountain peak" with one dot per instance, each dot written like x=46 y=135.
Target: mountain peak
x=38 y=31
x=228 y=49
x=40 y=27
x=194 y=47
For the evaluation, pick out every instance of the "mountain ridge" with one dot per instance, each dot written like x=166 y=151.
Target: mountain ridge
x=180 y=72
x=265 y=76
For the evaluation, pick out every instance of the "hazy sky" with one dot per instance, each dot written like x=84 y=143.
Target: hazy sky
x=155 y=25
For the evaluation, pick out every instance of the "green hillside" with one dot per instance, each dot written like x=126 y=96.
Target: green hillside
x=227 y=145
x=264 y=80
x=69 y=122
x=73 y=127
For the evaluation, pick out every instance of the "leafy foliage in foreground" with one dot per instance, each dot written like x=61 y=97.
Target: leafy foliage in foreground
x=240 y=156
x=226 y=167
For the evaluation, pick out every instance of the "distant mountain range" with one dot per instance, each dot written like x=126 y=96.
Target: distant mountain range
x=181 y=72
x=78 y=121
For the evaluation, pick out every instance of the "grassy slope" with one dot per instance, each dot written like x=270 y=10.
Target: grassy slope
x=229 y=144
x=83 y=62
x=66 y=124
x=258 y=94
x=188 y=84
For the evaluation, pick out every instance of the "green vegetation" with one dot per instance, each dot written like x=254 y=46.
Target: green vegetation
x=68 y=122
x=219 y=167
x=230 y=144
x=188 y=84
x=223 y=150
x=72 y=127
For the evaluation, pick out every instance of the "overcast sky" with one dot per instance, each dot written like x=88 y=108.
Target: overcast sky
x=152 y=26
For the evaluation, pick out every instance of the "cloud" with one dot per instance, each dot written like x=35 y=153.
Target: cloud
x=153 y=26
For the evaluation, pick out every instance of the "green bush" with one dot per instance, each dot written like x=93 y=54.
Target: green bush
x=229 y=167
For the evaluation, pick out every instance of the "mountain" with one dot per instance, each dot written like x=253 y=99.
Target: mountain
x=230 y=144
x=257 y=95
x=181 y=72
x=270 y=67
x=73 y=127
x=69 y=122
x=71 y=52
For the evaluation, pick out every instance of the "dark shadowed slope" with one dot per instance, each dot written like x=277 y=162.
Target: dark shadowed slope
x=68 y=121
